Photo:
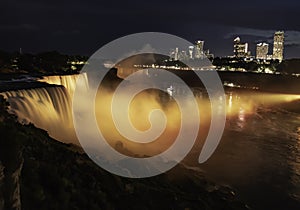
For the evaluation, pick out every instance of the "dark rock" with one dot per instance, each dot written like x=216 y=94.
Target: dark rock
x=43 y=173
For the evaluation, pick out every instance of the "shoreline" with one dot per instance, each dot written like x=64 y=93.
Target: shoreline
x=272 y=83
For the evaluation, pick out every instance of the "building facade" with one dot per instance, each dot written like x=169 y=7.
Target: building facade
x=240 y=50
x=262 y=50
x=191 y=52
x=199 y=46
x=278 y=45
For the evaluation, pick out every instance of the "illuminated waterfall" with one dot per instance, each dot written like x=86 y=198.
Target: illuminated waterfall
x=48 y=108
x=68 y=81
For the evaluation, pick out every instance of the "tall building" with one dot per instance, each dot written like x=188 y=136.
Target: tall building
x=240 y=50
x=278 y=45
x=208 y=54
x=183 y=55
x=262 y=50
x=191 y=51
x=199 y=46
x=176 y=54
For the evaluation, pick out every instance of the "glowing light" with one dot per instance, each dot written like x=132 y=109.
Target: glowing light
x=170 y=90
x=242 y=114
x=241 y=117
x=291 y=97
x=230 y=103
x=268 y=71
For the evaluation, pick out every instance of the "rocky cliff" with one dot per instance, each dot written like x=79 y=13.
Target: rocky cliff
x=1 y=186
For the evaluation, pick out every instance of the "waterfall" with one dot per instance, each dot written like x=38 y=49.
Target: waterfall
x=48 y=108
x=68 y=81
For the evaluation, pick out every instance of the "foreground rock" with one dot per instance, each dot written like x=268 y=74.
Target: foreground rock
x=37 y=172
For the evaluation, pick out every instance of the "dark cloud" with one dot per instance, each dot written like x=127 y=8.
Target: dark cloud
x=82 y=26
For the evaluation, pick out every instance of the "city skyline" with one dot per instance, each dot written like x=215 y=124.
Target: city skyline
x=240 y=50
x=82 y=27
x=199 y=47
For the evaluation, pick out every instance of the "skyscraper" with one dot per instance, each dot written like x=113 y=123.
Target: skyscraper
x=199 y=46
x=262 y=51
x=278 y=45
x=191 y=51
x=183 y=55
x=176 y=53
x=240 y=50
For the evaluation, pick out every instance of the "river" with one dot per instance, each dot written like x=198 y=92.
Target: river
x=259 y=153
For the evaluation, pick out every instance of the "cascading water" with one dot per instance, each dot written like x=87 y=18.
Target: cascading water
x=48 y=108
x=259 y=151
x=68 y=81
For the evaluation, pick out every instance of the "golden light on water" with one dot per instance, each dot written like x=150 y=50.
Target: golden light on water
x=230 y=103
x=277 y=98
x=139 y=110
x=238 y=105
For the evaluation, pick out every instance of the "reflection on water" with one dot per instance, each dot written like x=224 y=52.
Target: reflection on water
x=259 y=153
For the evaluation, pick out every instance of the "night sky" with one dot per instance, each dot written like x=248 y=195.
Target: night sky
x=83 y=26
